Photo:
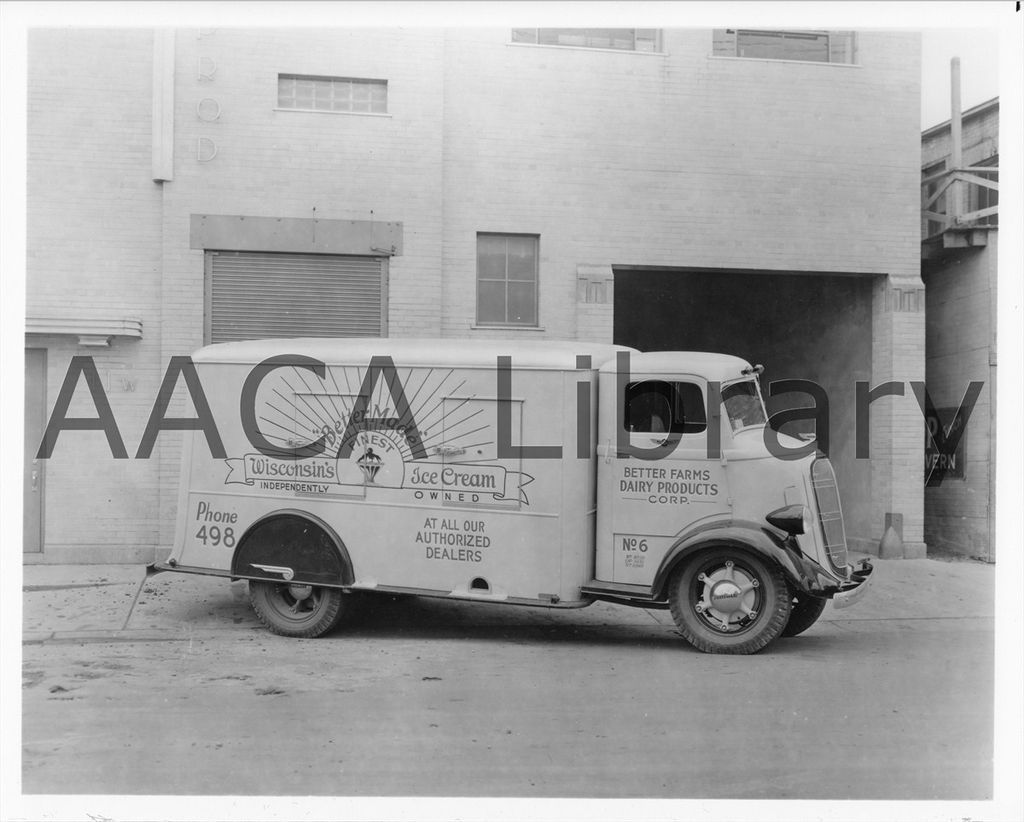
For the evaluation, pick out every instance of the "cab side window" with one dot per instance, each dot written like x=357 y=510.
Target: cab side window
x=664 y=407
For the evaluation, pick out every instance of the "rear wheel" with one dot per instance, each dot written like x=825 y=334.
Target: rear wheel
x=296 y=610
x=803 y=614
x=729 y=601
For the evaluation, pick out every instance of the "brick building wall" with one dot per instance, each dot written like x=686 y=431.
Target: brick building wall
x=961 y=334
x=683 y=159
x=294 y=164
x=979 y=135
x=93 y=252
x=674 y=159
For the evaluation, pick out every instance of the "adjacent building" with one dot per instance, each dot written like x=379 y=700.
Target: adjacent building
x=959 y=250
x=746 y=191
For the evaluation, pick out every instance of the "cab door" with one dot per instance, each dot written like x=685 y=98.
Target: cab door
x=656 y=475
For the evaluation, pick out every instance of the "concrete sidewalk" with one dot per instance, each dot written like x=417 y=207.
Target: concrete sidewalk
x=121 y=603
x=124 y=603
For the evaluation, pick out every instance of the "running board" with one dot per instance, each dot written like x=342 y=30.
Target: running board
x=623 y=593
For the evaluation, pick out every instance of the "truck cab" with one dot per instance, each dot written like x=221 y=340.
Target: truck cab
x=696 y=511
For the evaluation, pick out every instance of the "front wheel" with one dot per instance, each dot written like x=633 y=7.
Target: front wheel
x=805 y=612
x=729 y=601
x=296 y=610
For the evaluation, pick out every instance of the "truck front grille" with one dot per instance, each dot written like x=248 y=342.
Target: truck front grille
x=830 y=513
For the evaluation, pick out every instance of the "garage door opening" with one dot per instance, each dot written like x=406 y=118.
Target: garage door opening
x=254 y=295
x=799 y=326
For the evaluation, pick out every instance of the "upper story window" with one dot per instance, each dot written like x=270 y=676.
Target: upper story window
x=346 y=94
x=506 y=279
x=804 y=46
x=648 y=40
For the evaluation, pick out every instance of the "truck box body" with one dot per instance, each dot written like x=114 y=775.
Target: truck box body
x=465 y=519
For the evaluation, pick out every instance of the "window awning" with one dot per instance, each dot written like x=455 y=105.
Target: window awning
x=91 y=331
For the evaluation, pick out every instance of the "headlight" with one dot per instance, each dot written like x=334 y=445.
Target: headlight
x=793 y=519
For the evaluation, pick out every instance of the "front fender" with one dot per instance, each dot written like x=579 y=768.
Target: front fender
x=802 y=573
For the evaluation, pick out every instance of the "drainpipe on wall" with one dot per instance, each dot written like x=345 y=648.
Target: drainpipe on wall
x=956 y=153
x=992 y=359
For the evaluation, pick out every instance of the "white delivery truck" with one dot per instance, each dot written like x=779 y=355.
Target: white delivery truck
x=548 y=474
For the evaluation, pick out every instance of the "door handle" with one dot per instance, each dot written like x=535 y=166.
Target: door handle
x=35 y=477
x=449 y=450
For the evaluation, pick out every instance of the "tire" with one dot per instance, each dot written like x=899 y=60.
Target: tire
x=296 y=610
x=729 y=601
x=803 y=614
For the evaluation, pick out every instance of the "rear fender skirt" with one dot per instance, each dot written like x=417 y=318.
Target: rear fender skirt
x=802 y=573
x=292 y=547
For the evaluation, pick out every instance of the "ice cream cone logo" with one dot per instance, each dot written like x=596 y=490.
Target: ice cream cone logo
x=369 y=463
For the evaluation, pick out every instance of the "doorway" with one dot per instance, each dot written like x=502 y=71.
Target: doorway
x=35 y=469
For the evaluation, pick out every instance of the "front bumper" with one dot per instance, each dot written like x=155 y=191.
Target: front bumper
x=853 y=592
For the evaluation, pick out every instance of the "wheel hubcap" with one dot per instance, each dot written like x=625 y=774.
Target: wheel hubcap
x=300 y=592
x=727 y=598
x=297 y=600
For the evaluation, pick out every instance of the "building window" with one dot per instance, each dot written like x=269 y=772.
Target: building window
x=506 y=279
x=804 y=46
x=345 y=94
x=648 y=40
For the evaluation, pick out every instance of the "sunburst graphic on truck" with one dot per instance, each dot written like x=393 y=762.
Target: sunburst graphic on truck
x=382 y=427
x=296 y=410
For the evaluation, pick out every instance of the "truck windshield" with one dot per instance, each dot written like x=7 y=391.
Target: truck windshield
x=743 y=404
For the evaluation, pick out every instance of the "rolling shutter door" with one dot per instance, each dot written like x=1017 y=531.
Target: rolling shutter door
x=255 y=296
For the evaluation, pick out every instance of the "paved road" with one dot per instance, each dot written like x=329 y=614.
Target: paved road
x=436 y=698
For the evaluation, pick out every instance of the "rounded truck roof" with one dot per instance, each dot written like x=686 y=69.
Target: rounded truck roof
x=710 y=366
x=557 y=355
x=467 y=353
